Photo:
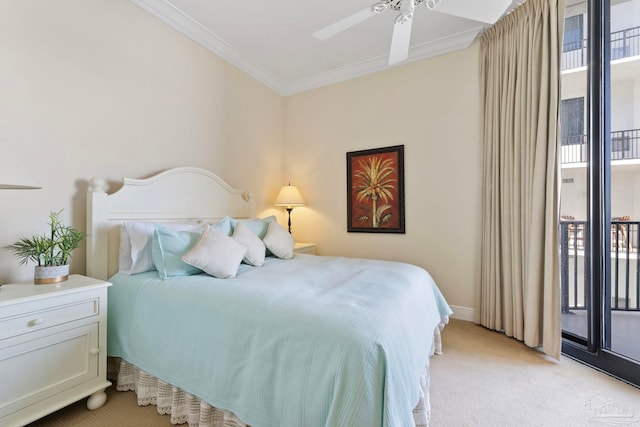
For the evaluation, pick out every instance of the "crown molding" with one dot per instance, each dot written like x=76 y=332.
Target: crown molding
x=178 y=20
x=417 y=53
x=174 y=17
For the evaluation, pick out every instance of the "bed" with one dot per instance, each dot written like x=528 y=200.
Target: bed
x=300 y=340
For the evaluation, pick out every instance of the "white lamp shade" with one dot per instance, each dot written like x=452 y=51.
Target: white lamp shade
x=289 y=196
x=13 y=174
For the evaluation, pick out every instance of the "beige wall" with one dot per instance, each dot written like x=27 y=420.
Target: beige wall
x=432 y=107
x=101 y=88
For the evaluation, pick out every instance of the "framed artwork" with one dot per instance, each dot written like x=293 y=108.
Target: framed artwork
x=375 y=190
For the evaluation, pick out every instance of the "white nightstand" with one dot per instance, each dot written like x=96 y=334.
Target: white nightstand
x=53 y=347
x=304 y=248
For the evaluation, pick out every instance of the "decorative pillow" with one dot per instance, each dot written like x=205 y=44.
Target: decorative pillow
x=224 y=226
x=255 y=247
x=168 y=248
x=279 y=241
x=135 y=253
x=216 y=254
x=257 y=225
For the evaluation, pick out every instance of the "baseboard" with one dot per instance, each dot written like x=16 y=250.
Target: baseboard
x=463 y=313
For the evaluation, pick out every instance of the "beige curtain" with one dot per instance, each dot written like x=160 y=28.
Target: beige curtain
x=520 y=84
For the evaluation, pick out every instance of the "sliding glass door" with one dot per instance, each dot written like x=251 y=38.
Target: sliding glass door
x=574 y=151
x=600 y=196
x=624 y=310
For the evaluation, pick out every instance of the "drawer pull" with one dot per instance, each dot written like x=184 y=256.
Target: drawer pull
x=36 y=322
x=94 y=351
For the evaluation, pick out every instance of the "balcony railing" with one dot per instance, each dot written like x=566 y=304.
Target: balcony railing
x=625 y=145
x=624 y=44
x=625 y=265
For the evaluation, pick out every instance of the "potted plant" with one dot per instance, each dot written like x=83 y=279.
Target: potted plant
x=50 y=252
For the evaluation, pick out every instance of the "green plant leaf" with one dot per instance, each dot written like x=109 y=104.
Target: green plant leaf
x=49 y=250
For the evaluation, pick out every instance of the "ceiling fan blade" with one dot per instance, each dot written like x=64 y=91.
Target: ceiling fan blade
x=400 y=40
x=348 y=22
x=488 y=11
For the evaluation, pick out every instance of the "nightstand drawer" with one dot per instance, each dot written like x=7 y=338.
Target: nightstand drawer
x=34 y=316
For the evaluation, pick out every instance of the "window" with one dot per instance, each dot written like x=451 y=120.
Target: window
x=572 y=121
x=573 y=33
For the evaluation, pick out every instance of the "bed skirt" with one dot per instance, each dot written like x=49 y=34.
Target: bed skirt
x=184 y=407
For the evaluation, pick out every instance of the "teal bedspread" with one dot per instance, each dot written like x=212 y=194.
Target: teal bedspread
x=312 y=341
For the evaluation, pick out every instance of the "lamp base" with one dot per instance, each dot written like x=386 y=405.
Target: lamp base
x=289 y=222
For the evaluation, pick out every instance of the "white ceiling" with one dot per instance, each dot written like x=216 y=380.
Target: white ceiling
x=272 y=41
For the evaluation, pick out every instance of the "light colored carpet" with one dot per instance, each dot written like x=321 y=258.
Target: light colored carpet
x=482 y=379
x=486 y=379
x=120 y=410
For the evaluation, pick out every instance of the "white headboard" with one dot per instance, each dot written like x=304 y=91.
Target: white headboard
x=180 y=194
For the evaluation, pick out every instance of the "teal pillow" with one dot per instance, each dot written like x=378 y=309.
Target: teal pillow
x=167 y=249
x=224 y=226
x=258 y=226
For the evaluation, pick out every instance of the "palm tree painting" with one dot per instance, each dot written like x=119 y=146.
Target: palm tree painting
x=376 y=190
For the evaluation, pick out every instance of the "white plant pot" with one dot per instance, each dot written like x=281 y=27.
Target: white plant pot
x=54 y=274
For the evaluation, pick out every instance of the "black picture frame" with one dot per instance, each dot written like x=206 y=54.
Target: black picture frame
x=375 y=190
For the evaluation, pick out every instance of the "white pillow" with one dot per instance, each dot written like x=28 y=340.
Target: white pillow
x=216 y=254
x=124 y=252
x=255 y=248
x=135 y=244
x=137 y=237
x=279 y=241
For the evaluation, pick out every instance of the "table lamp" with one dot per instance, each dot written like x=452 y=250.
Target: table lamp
x=289 y=197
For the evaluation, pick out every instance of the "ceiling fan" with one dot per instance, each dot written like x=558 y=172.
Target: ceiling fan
x=487 y=11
